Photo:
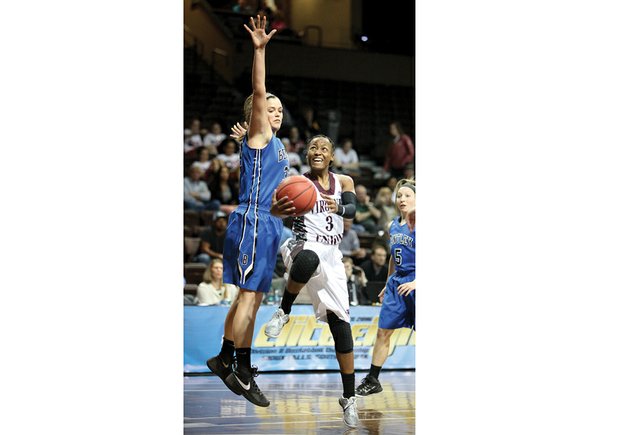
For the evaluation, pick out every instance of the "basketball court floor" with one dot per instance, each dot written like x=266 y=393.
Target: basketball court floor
x=301 y=403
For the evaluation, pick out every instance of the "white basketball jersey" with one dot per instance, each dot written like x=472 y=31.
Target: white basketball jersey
x=321 y=225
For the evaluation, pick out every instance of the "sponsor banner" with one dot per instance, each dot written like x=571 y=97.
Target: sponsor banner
x=304 y=344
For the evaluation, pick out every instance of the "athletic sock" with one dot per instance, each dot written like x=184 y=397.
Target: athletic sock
x=348 y=384
x=374 y=371
x=227 y=353
x=287 y=301
x=243 y=361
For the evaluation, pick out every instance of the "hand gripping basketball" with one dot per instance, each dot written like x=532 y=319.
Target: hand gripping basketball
x=281 y=207
x=301 y=191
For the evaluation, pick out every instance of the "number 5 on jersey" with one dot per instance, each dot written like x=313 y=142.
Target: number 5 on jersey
x=398 y=259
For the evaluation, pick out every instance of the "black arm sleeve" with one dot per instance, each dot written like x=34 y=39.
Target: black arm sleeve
x=347 y=208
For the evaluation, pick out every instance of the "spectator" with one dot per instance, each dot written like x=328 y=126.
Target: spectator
x=350 y=244
x=188 y=147
x=366 y=215
x=294 y=160
x=383 y=202
x=206 y=166
x=346 y=159
x=391 y=183
x=212 y=239
x=310 y=127
x=409 y=173
x=214 y=138
x=196 y=194
x=230 y=154
x=298 y=144
x=195 y=139
x=212 y=290
x=224 y=189
x=375 y=268
x=401 y=152
x=356 y=283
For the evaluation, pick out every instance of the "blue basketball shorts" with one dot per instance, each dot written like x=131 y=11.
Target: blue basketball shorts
x=397 y=311
x=251 y=248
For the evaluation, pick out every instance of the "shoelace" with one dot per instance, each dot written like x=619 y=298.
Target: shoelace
x=351 y=401
x=254 y=373
x=366 y=386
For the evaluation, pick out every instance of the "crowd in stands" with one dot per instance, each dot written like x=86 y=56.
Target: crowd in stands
x=211 y=192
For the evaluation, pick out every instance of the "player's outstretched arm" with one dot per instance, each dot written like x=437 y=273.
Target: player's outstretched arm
x=259 y=132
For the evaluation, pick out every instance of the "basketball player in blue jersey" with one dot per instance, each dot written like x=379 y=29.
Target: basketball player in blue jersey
x=253 y=233
x=312 y=259
x=398 y=308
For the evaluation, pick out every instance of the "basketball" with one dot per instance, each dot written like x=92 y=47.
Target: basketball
x=300 y=190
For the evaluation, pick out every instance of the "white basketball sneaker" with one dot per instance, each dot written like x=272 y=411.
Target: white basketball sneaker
x=349 y=407
x=275 y=325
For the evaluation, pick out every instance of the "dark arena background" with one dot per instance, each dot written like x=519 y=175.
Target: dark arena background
x=340 y=68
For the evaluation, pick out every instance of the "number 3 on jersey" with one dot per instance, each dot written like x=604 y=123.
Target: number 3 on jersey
x=398 y=259
x=330 y=223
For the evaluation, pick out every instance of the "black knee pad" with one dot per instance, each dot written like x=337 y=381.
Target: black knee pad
x=304 y=265
x=341 y=331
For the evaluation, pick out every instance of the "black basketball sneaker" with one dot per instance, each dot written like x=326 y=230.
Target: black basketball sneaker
x=369 y=385
x=246 y=387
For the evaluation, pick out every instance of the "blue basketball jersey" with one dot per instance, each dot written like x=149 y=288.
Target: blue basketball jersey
x=253 y=234
x=402 y=247
x=399 y=311
x=261 y=172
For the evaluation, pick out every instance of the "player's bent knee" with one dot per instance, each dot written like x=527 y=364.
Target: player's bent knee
x=341 y=331
x=304 y=265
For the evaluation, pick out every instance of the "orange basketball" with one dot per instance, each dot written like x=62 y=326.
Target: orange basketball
x=300 y=190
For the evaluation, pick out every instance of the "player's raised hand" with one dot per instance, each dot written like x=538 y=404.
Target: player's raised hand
x=260 y=38
x=281 y=207
x=406 y=288
x=238 y=131
x=331 y=203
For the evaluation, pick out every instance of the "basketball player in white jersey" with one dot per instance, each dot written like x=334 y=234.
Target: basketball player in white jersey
x=312 y=259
